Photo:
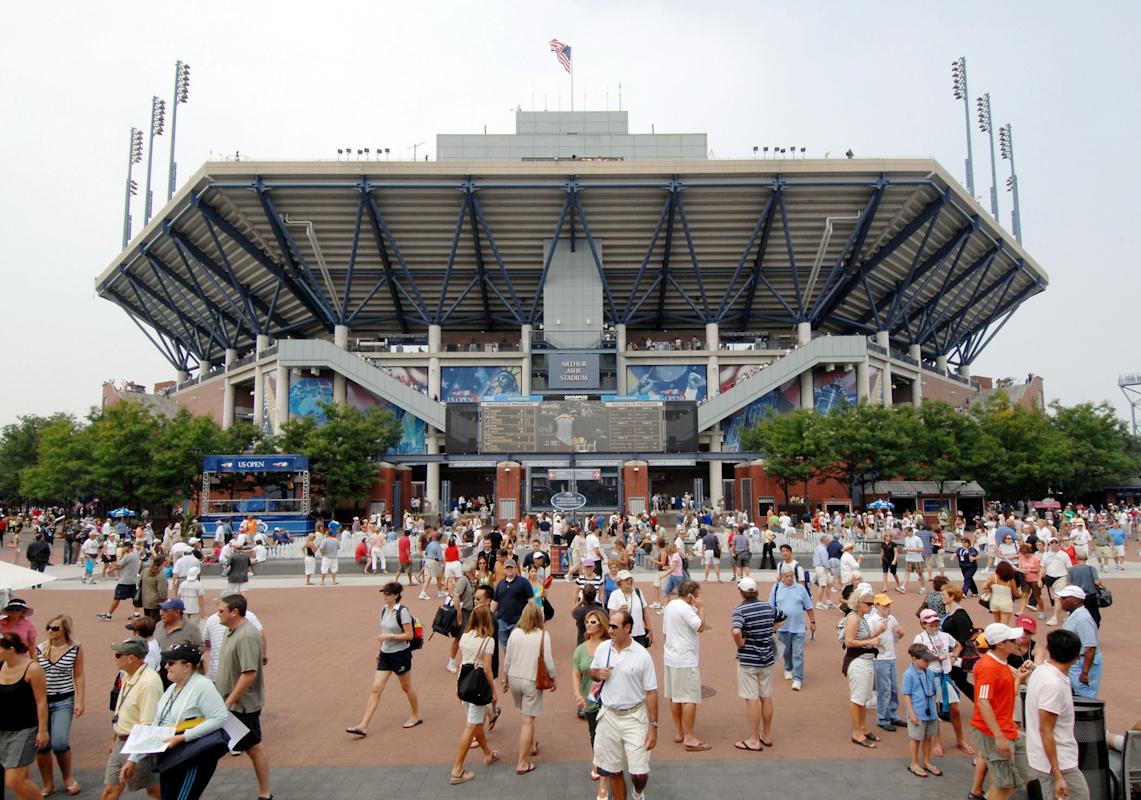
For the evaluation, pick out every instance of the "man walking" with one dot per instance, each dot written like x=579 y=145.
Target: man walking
x=138 y=698
x=996 y=686
x=433 y=567
x=821 y=573
x=628 y=714
x=628 y=598
x=913 y=557
x=682 y=623
x=329 y=548
x=791 y=601
x=711 y=554
x=173 y=629
x=753 y=624
x=1051 y=747
x=1085 y=673
x=128 y=567
x=511 y=596
x=241 y=681
x=740 y=545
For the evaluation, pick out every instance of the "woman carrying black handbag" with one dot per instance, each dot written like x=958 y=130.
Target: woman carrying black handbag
x=194 y=708
x=476 y=688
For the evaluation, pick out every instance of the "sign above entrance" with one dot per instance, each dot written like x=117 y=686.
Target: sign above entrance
x=573 y=371
x=568 y=501
x=574 y=474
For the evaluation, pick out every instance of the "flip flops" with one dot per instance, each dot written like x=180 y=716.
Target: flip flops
x=356 y=732
x=868 y=743
x=743 y=745
x=529 y=768
x=412 y=725
x=916 y=772
x=700 y=747
x=464 y=778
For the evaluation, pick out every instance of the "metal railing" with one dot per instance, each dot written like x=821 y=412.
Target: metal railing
x=558 y=340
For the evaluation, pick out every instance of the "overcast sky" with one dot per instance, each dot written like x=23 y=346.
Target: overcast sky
x=298 y=80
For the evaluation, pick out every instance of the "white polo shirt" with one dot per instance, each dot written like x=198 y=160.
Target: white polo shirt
x=617 y=599
x=680 y=624
x=632 y=674
x=1049 y=690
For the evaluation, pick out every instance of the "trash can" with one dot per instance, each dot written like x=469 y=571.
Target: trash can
x=1093 y=751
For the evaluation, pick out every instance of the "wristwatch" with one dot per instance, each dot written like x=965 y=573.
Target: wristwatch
x=653 y=723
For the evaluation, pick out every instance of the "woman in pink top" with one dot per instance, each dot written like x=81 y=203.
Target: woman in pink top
x=676 y=571
x=1029 y=566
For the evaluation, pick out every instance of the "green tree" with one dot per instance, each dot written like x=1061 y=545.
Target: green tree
x=245 y=437
x=1099 y=446
x=864 y=443
x=122 y=442
x=19 y=449
x=1020 y=453
x=791 y=450
x=177 y=452
x=61 y=472
x=946 y=444
x=344 y=451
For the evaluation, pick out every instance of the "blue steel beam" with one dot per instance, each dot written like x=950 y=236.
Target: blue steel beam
x=294 y=259
x=935 y=313
x=910 y=278
x=514 y=306
x=163 y=273
x=160 y=344
x=216 y=312
x=664 y=273
x=352 y=261
x=978 y=298
x=694 y=260
x=451 y=265
x=626 y=312
x=166 y=327
x=766 y=224
x=726 y=303
x=953 y=331
x=827 y=301
x=854 y=275
x=247 y=304
x=567 y=204
x=411 y=292
x=928 y=270
x=791 y=260
x=480 y=270
x=389 y=278
x=299 y=293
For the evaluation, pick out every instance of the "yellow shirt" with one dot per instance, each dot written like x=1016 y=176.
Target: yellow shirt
x=138 y=700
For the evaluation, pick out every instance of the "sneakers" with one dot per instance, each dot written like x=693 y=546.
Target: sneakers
x=1052 y=621
x=441 y=594
x=788 y=674
x=821 y=606
x=104 y=615
x=901 y=590
x=452 y=665
x=1041 y=615
x=424 y=596
x=796 y=686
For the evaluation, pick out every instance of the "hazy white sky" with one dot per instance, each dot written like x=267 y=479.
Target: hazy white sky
x=297 y=80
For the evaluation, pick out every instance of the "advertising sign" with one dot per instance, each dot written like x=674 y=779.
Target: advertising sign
x=472 y=384
x=667 y=381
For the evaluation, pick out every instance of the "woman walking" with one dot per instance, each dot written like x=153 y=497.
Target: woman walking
x=395 y=658
x=861 y=643
x=476 y=646
x=24 y=723
x=889 y=560
x=596 y=622
x=194 y=708
x=1055 y=564
x=309 y=551
x=61 y=659
x=153 y=586
x=968 y=557
x=526 y=645
x=1003 y=589
x=1030 y=566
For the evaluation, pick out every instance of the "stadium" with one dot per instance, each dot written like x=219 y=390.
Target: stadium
x=571 y=307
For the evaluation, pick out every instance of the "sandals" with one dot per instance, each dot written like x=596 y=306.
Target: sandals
x=917 y=773
x=467 y=775
x=700 y=747
x=494 y=719
x=530 y=767
x=938 y=773
x=743 y=745
x=355 y=731
x=74 y=788
x=491 y=759
x=407 y=725
x=868 y=743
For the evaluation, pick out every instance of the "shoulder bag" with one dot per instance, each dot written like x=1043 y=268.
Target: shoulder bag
x=472 y=685
x=1104 y=597
x=543 y=679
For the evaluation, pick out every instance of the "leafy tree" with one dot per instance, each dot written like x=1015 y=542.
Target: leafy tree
x=1021 y=454
x=19 y=448
x=245 y=437
x=864 y=443
x=122 y=440
x=296 y=433
x=945 y=447
x=792 y=451
x=178 y=449
x=1099 y=446
x=61 y=471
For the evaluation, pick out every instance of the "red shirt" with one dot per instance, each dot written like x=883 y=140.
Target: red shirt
x=995 y=682
x=404 y=548
x=451 y=553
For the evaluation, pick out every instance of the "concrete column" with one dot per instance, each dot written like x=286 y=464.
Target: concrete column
x=181 y=376
x=204 y=367
x=916 y=352
x=883 y=339
x=863 y=379
x=432 y=484
x=941 y=364
x=715 y=469
x=525 y=348
x=803 y=333
x=340 y=382
x=261 y=344
x=259 y=396
x=712 y=336
x=807 y=395
x=965 y=371
x=713 y=360
x=227 y=404
x=435 y=337
x=231 y=357
x=620 y=349
x=281 y=412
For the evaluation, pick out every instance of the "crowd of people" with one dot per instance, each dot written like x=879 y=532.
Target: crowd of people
x=194 y=665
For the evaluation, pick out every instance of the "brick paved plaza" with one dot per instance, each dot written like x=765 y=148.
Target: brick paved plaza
x=322 y=653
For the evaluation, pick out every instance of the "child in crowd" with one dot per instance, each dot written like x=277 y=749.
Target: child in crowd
x=918 y=690
x=190 y=593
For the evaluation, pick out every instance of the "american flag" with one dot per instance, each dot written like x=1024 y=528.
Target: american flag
x=563 y=51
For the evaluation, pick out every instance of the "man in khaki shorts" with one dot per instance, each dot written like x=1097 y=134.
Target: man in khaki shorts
x=682 y=623
x=136 y=704
x=628 y=715
x=753 y=624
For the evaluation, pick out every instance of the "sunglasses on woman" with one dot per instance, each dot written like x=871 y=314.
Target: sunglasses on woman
x=55 y=628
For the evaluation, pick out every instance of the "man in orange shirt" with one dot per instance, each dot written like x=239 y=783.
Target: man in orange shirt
x=996 y=687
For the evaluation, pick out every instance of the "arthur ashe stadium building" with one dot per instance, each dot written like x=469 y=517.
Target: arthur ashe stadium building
x=571 y=306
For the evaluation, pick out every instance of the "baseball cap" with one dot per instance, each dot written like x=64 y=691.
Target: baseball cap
x=996 y=633
x=1076 y=592
x=173 y=604
x=183 y=651
x=135 y=646
x=588 y=562
x=747 y=585
x=881 y=600
x=623 y=574
x=928 y=615
x=1027 y=623
x=921 y=652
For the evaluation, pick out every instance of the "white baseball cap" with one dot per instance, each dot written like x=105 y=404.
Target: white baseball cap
x=747 y=585
x=996 y=633
x=1076 y=592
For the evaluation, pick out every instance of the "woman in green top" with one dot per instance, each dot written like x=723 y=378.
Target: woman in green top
x=597 y=632
x=482 y=577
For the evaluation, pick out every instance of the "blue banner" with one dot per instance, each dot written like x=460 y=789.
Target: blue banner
x=667 y=381
x=248 y=463
x=472 y=384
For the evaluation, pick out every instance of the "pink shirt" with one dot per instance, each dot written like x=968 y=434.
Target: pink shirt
x=1028 y=566
x=24 y=629
x=675 y=565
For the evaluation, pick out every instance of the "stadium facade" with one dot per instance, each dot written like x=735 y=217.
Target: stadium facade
x=571 y=306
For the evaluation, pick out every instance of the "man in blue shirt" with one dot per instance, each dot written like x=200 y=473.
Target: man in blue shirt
x=1118 y=536
x=433 y=566
x=791 y=600
x=512 y=595
x=1085 y=674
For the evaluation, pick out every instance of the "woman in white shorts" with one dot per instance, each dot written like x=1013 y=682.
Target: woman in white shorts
x=520 y=670
x=861 y=641
x=309 y=550
x=476 y=648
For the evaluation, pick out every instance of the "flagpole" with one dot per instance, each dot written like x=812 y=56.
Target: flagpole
x=572 y=81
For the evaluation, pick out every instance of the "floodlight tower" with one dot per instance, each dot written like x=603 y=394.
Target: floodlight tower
x=158 y=119
x=136 y=156
x=986 y=126
x=1131 y=387
x=959 y=85
x=1006 y=149
x=181 y=95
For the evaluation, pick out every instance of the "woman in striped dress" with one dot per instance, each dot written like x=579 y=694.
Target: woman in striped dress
x=61 y=659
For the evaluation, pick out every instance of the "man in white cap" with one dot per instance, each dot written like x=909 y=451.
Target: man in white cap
x=996 y=687
x=752 y=626
x=1085 y=674
x=630 y=599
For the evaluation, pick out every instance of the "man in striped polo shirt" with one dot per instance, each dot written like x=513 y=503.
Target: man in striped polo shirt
x=753 y=624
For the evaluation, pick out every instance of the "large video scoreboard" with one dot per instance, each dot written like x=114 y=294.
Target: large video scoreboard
x=564 y=426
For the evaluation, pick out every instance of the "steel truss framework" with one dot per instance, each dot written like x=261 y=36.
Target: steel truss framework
x=224 y=264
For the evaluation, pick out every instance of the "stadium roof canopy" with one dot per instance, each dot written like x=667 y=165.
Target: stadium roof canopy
x=292 y=249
